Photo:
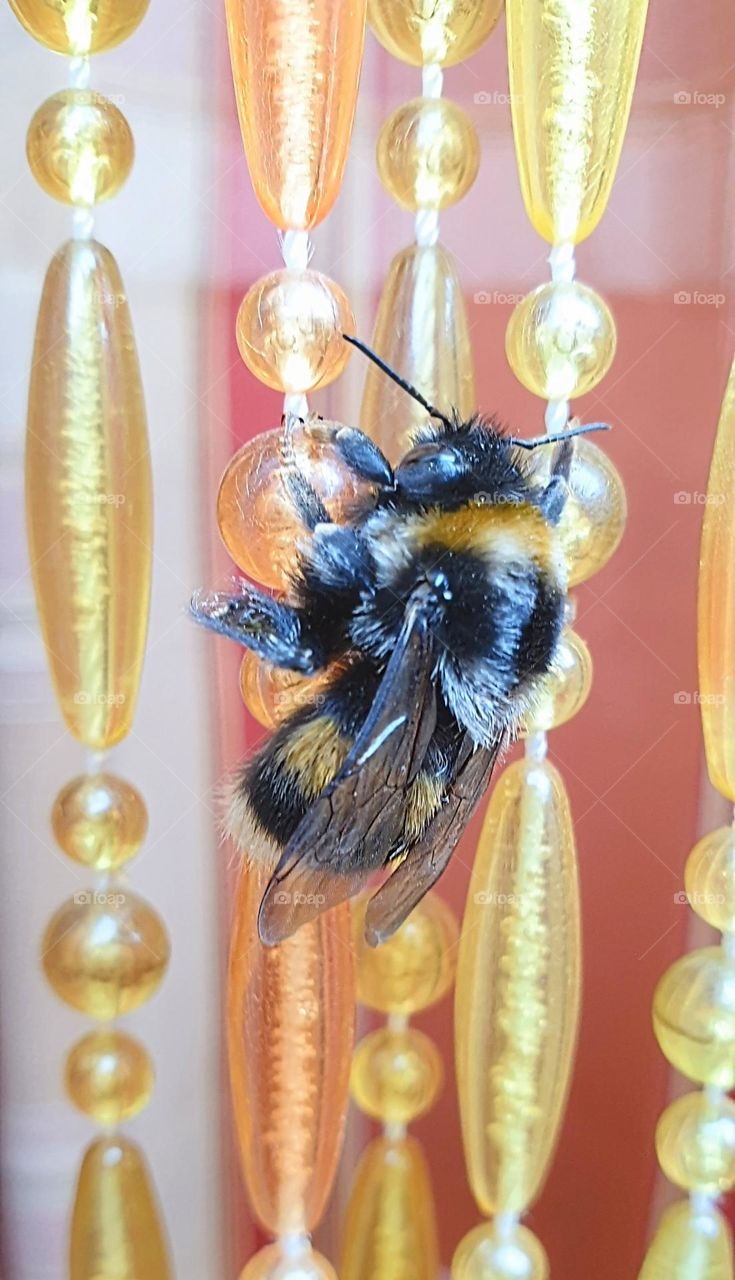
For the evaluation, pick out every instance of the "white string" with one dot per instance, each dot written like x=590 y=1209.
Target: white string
x=82 y=219
x=426 y=227
x=432 y=80
x=79 y=73
x=537 y=745
x=294 y=1244
x=562 y=266
x=296 y=249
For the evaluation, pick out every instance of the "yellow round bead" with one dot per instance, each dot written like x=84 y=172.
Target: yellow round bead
x=109 y=1076
x=289 y=330
x=710 y=879
x=79 y=147
x=593 y=519
x=694 y=1016
x=99 y=820
x=272 y=1264
x=105 y=953
x=428 y=154
x=560 y=340
x=481 y=1255
x=695 y=1143
x=396 y=1075
x=414 y=968
x=421 y=33
x=81 y=27
x=566 y=688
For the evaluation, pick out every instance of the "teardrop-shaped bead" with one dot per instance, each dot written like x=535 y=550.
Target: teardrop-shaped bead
x=117 y=1231
x=272 y=1263
x=710 y=878
x=79 y=27
x=689 y=1246
x=572 y=73
x=484 y=1255
x=716 y=641
x=422 y=33
x=99 y=820
x=290 y=1015
x=296 y=67
x=695 y=1143
x=396 y=1074
x=415 y=967
x=421 y=329
x=515 y=1036
x=390 y=1229
x=79 y=147
x=694 y=1016
x=109 y=1076
x=88 y=493
x=289 y=330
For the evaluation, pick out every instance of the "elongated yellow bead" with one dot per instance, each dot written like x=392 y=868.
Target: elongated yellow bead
x=482 y=1255
x=296 y=67
x=695 y=1143
x=99 y=820
x=709 y=877
x=88 y=493
x=560 y=340
x=109 y=1076
x=79 y=27
x=566 y=688
x=515 y=1036
x=428 y=154
x=390 y=1227
x=572 y=73
x=396 y=1074
x=289 y=330
x=716 y=641
x=421 y=33
x=415 y=967
x=689 y=1246
x=271 y=1263
x=421 y=328
x=79 y=147
x=116 y=1229
x=694 y=1016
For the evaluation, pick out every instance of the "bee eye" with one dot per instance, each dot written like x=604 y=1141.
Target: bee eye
x=427 y=468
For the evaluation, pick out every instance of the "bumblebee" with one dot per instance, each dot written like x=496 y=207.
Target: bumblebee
x=439 y=607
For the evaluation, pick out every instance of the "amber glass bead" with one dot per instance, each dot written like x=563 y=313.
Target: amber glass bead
x=79 y=147
x=593 y=520
x=422 y=33
x=515 y=1036
x=716 y=639
x=428 y=154
x=695 y=1143
x=396 y=1075
x=482 y=1256
x=290 y=1019
x=694 y=1016
x=415 y=967
x=273 y=693
x=296 y=67
x=289 y=330
x=257 y=519
x=117 y=1232
x=390 y=1227
x=572 y=74
x=421 y=328
x=689 y=1246
x=560 y=340
x=272 y=1264
x=109 y=1076
x=78 y=27
x=710 y=879
x=566 y=688
x=88 y=493
x=99 y=820
x=105 y=953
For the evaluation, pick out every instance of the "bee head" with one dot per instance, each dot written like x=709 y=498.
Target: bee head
x=429 y=468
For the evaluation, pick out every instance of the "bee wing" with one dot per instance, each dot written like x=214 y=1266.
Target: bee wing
x=427 y=859
x=349 y=830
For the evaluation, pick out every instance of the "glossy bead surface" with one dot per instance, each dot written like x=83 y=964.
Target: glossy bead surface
x=117 y=1231
x=272 y=1264
x=566 y=688
x=289 y=330
x=78 y=27
x=689 y=1246
x=428 y=154
x=709 y=877
x=421 y=33
x=390 y=1229
x=79 y=146
x=415 y=967
x=273 y=693
x=105 y=953
x=296 y=67
x=421 y=328
x=695 y=1143
x=694 y=1016
x=515 y=1037
x=481 y=1256
x=257 y=519
x=560 y=340
x=572 y=73
x=109 y=1076
x=716 y=611
x=593 y=520
x=290 y=1019
x=99 y=820
x=88 y=493
x=396 y=1075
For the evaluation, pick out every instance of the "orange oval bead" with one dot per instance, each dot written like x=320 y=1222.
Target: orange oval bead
x=99 y=820
x=271 y=694
x=116 y=1229
x=390 y=1227
x=109 y=1076
x=289 y=330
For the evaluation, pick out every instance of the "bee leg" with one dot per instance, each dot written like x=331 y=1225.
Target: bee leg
x=363 y=457
x=339 y=559
x=554 y=496
x=275 y=631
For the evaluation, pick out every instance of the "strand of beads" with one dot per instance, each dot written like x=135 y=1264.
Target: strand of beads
x=694 y=1002
x=572 y=72
x=396 y=1077
x=428 y=156
x=290 y=1008
x=88 y=486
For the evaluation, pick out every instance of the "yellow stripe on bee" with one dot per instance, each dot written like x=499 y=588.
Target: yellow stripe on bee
x=314 y=752
x=423 y=800
x=508 y=532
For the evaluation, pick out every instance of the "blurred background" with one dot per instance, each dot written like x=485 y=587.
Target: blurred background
x=190 y=238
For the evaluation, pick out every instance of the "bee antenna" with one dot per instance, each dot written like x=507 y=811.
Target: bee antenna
x=583 y=429
x=399 y=381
